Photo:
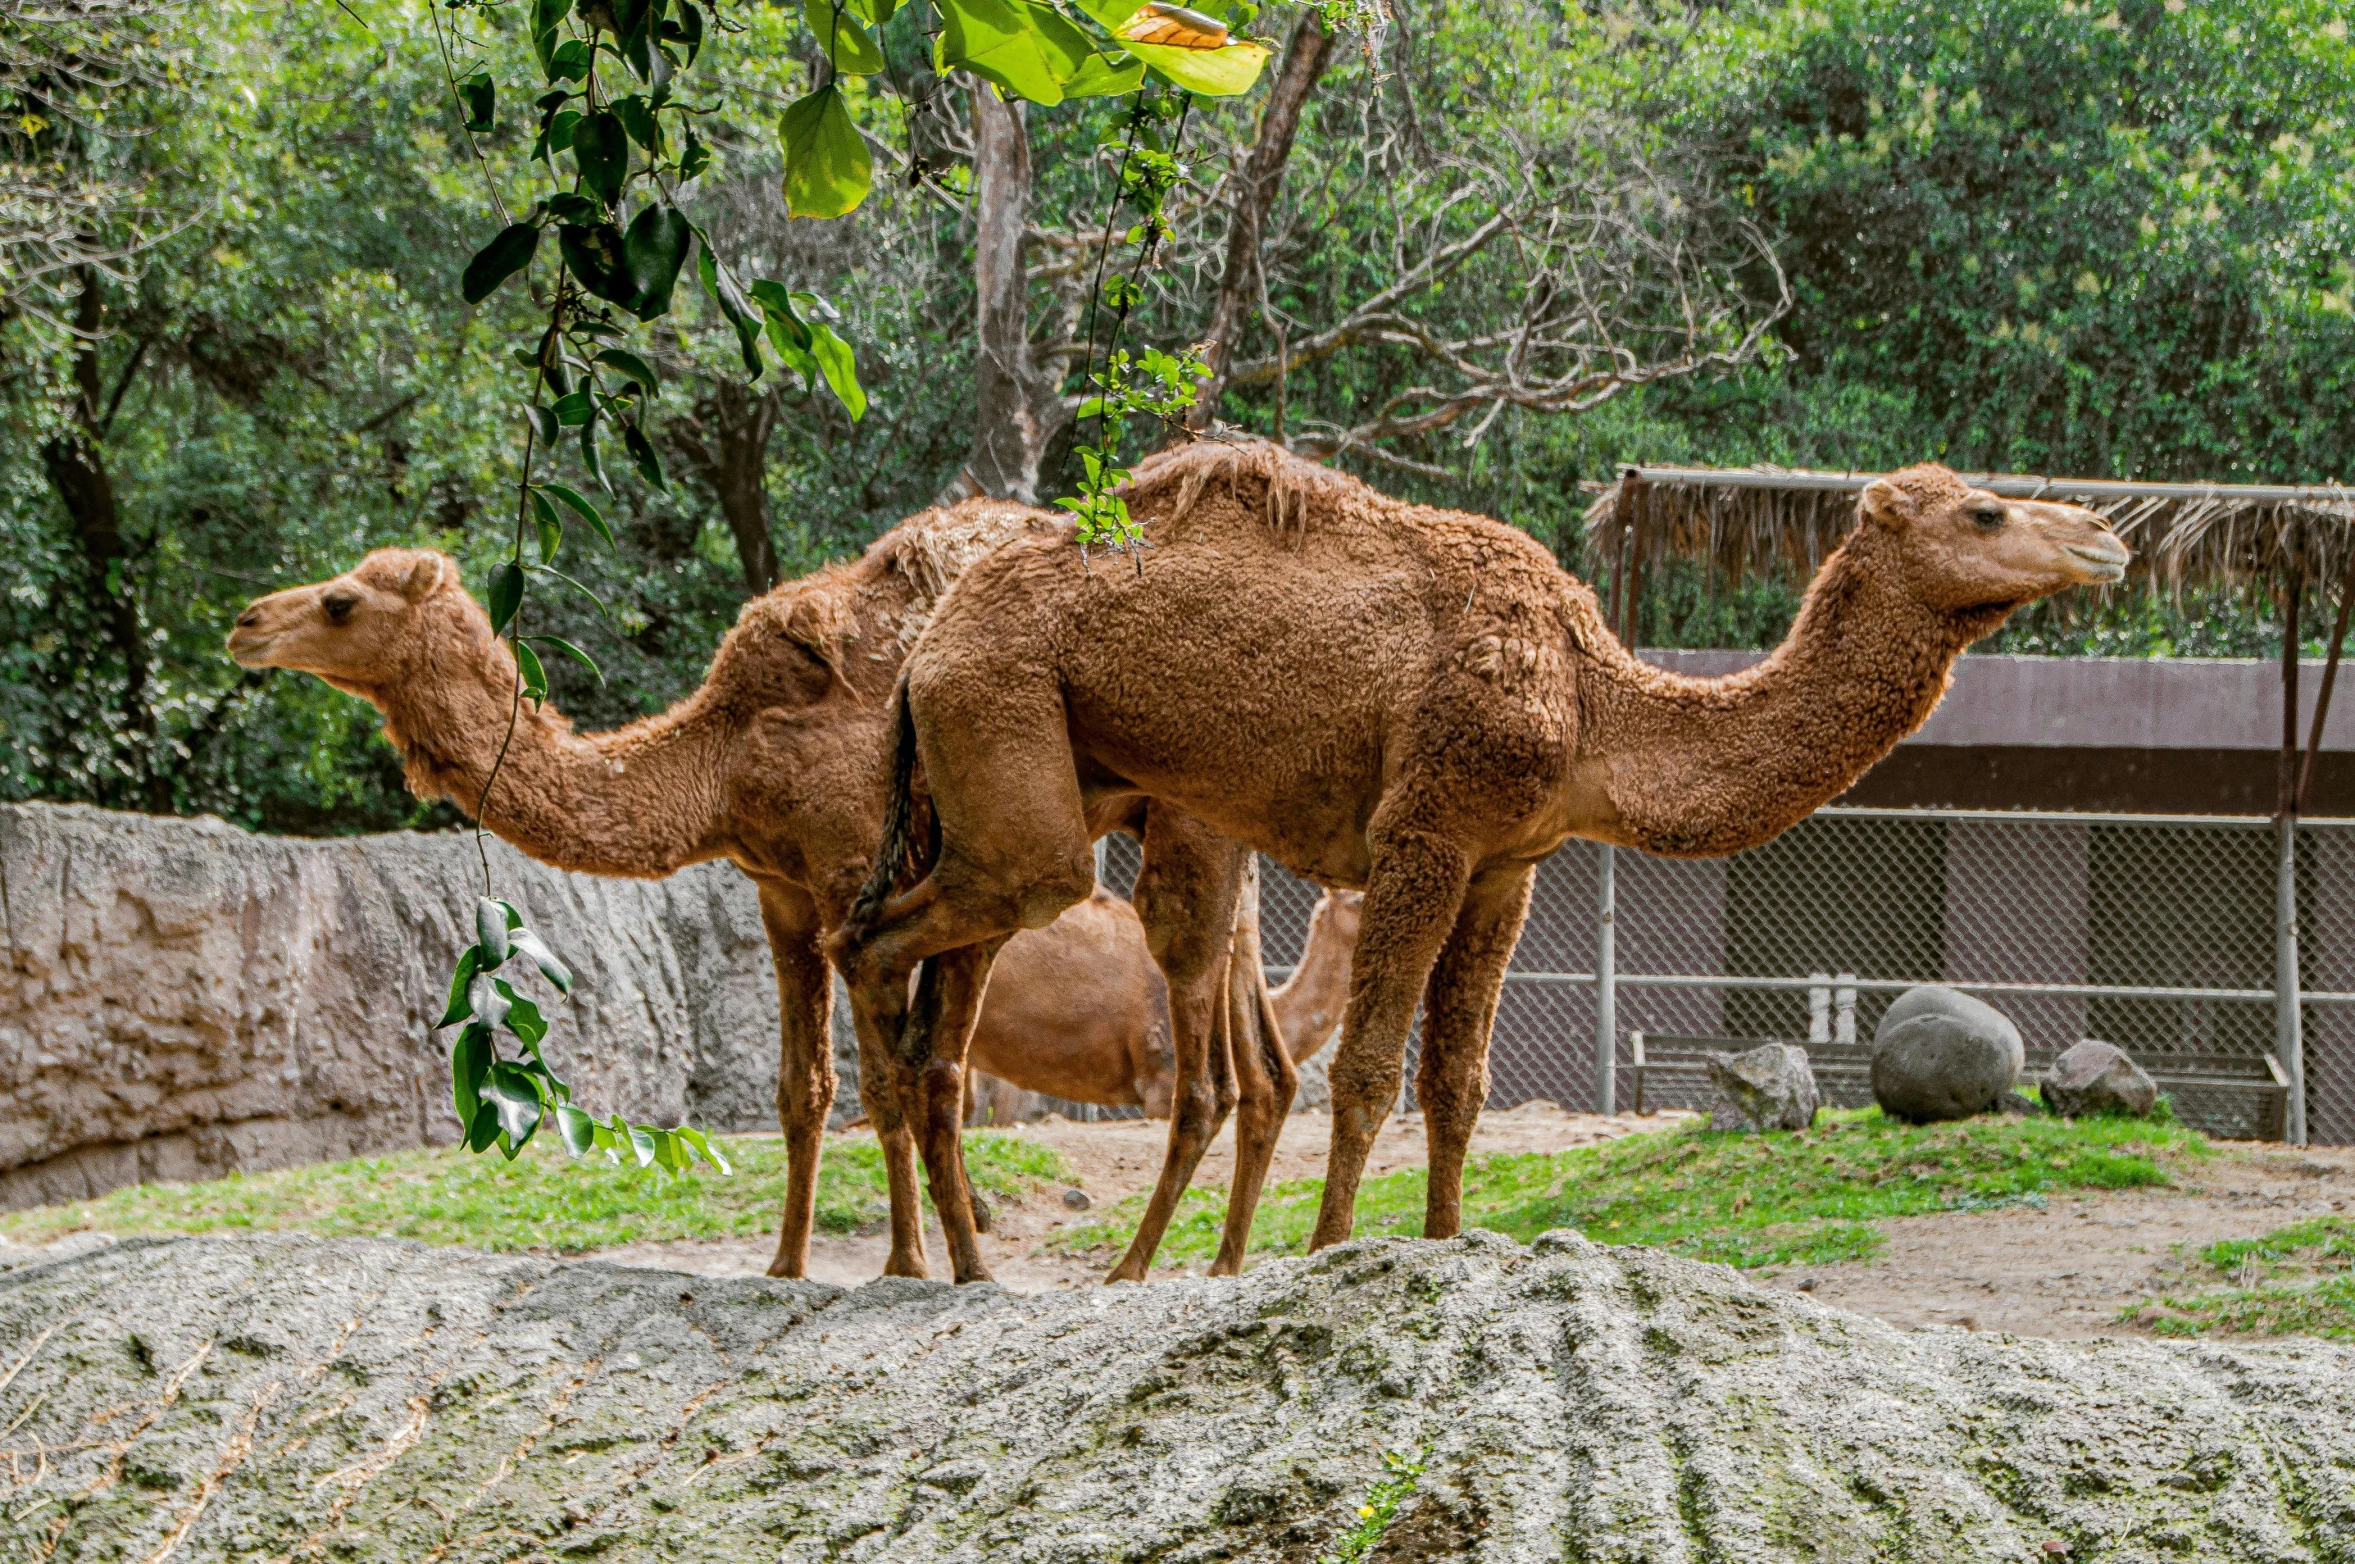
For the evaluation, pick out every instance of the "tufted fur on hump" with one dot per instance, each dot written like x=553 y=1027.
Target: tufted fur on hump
x=918 y=560
x=1284 y=490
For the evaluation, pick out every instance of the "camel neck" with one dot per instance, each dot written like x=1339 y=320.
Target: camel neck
x=1701 y=767
x=641 y=800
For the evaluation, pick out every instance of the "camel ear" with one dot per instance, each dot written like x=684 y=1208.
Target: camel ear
x=1886 y=503
x=424 y=579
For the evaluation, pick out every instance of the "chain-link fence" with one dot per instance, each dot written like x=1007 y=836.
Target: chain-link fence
x=2155 y=933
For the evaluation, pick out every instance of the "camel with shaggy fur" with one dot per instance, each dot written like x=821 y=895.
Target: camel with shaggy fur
x=777 y=762
x=1413 y=701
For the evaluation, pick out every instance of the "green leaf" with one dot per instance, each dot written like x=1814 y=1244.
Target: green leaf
x=547 y=17
x=480 y=96
x=632 y=368
x=523 y=1017
x=640 y=1139
x=544 y=423
x=577 y=1128
x=590 y=461
x=510 y=252
x=469 y=963
x=596 y=257
x=841 y=39
x=720 y=283
x=687 y=31
x=1215 y=73
x=1027 y=51
x=539 y=955
x=696 y=1139
x=1111 y=13
x=841 y=369
x=535 y=677
x=637 y=117
x=571 y=651
x=560 y=129
x=873 y=12
x=567 y=206
x=470 y=1064
x=574 y=409
x=514 y=1096
x=490 y=932
x=571 y=61
x=695 y=159
x=1100 y=77
x=653 y=251
x=550 y=529
x=827 y=169
x=641 y=449
x=490 y=1006
x=601 y=148
x=506 y=594
x=581 y=507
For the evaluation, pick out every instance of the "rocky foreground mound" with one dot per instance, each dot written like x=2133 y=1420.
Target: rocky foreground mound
x=360 y=1400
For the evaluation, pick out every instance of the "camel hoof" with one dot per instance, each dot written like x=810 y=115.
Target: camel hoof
x=915 y=1270
x=785 y=1270
x=981 y=1214
x=1124 y=1272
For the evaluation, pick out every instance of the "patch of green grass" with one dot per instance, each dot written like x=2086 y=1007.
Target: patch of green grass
x=2297 y=1280
x=1749 y=1200
x=541 y=1200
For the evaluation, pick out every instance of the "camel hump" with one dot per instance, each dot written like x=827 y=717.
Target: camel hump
x=1288 y=492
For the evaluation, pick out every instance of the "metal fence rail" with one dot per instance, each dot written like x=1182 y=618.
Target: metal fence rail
x=2153 y=932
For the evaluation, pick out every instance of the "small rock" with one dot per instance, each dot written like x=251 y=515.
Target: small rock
x=1807 y=1284
x=1934 y=1067
x=1767 y=1088
x=2096 y=1077
x=1077 y=1199
x=2019 y=1106
x=1933 y=999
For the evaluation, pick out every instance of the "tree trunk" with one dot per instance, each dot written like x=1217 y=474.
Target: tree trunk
x=727 y=440
x=1017 y=392
x=1306 y=55
x=76 y=465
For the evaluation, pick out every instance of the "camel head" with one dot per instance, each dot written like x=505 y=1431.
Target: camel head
x=359 y=631
x=1968 y=552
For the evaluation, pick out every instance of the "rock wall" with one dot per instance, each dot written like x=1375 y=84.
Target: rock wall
x=365 y=1400
x=184 y=999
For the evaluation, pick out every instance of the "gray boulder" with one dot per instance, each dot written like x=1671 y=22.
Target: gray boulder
x=371 y=1402
x=186 y=999
x=1935 y=1067
x=1767 y=1088
x=2095 y=1077
x=1977 y=1014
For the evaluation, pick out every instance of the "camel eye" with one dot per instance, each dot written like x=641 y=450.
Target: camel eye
x=339 y=605
x=1988 y=517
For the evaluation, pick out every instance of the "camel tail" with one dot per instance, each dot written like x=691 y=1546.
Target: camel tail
x=897 y=851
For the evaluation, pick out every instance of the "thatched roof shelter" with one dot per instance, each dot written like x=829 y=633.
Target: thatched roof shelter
x=1746 y=519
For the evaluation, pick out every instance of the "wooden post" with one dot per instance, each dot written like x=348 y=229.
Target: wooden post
x=1607 y=984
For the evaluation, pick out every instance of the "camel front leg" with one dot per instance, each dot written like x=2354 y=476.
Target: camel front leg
x=1459 y=1012
x=1185 y=897
x=1412 y=894
x=1265 y=1078
x=805 y=1061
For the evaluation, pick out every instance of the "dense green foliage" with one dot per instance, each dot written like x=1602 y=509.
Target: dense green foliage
x=2026 y=234
x=1748 y=1200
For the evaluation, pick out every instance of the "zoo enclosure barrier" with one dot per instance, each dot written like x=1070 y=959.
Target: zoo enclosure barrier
x=2157 y=933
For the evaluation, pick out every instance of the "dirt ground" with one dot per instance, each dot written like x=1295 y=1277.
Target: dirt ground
x=2064 y=1271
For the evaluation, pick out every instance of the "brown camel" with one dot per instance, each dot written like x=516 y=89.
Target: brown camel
x=1098 y=1031
x=1384 y=695
x=778 y=762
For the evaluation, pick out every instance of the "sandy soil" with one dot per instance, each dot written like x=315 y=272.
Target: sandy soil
x=2063 y=1271
x=2067 y=1270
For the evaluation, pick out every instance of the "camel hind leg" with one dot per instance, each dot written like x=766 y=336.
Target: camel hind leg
x=1015 y=851
x=1413 y=892
x=1185 y=897
x=1265 y=1078
x=1459 y=1012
